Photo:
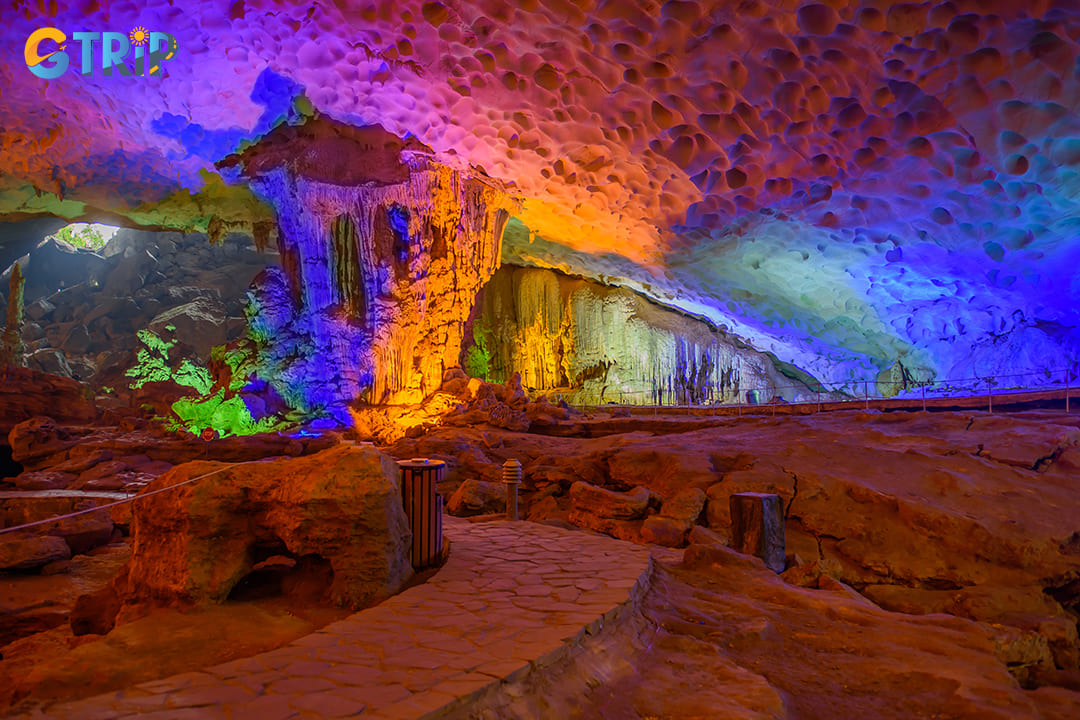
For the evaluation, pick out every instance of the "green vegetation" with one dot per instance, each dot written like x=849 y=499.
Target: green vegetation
x=234 y=359
x=228 y=416
x=152 y=365
x=83 y=236
x=477 y=361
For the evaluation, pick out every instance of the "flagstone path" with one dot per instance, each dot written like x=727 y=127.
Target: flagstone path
x=513 y=596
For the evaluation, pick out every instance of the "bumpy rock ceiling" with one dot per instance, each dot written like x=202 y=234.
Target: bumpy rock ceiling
x=846 y=184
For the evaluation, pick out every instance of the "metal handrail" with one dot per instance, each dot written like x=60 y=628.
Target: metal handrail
x=842 y=392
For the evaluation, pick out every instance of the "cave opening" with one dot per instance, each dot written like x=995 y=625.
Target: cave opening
x=9 y=467
x=277 y=573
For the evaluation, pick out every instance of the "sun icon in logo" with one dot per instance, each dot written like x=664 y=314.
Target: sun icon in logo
x=139 y=36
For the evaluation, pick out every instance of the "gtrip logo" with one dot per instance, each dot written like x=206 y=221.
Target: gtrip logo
x=100 y=52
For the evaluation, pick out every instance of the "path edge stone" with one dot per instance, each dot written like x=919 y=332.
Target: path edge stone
x=602 y=626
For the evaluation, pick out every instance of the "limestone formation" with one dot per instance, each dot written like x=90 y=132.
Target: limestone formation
x=22 y=552
x=338 y=514
x=11 y=342
x=595 y=344
x=678 y=515
x=383 y=250
x=476 y=497
x=846 y=186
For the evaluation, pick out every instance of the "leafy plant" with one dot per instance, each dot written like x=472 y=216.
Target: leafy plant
x=477 y=361
x=81 y=235
x=152 y=365
x=228 y=416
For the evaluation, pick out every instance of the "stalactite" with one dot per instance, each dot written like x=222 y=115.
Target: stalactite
x=386 y=271
x=595 y=344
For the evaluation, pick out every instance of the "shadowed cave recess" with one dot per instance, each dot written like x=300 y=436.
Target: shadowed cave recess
x=588 y=236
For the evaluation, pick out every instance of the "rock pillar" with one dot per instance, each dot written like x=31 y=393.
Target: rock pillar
x=757 y=527
x=383 y=249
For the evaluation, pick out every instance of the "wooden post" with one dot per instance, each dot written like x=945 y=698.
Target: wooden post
x=757 y=527
x=1066 y=392
x=989 y=395
x=866 y=392
x=924 y=397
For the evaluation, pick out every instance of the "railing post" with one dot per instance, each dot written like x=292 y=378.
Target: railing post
x=989 y=394
x=866 y=393
x=1066 y=391
x=924 y=397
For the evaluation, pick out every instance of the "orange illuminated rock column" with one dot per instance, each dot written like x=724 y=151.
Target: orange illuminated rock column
x=385 y=251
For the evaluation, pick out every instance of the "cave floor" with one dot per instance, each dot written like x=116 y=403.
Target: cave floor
x=512 y=596
x=930 y=544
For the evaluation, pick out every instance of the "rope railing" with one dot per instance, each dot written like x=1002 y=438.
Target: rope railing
x=132 y=498
x=911 y=389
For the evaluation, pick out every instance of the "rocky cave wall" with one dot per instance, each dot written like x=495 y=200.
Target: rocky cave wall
x=596 y=344
x=83 y=308
x=847 y=185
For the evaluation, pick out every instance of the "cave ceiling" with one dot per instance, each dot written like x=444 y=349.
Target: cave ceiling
x=847 y=185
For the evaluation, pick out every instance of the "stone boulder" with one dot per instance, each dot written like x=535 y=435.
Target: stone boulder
x=677 y=516
x=129 y=273
x=120 y=474
x=40 y=309
x=605 y=503
x=83 y=532
x=35 y=442
x=23 y=552
x=95 y=613
x=614 y=513
x=338 y=511
x=199 y=323
x=77 y=340
x=43 y=480
x=26 y=393
x=476 y=497
x=49 y=360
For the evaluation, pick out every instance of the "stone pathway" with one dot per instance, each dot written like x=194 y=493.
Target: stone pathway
x=512 y=596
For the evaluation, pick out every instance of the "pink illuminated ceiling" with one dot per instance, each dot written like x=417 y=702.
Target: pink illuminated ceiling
x=847 y=183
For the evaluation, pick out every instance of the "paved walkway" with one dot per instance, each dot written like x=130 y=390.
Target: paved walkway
x=512 y=596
